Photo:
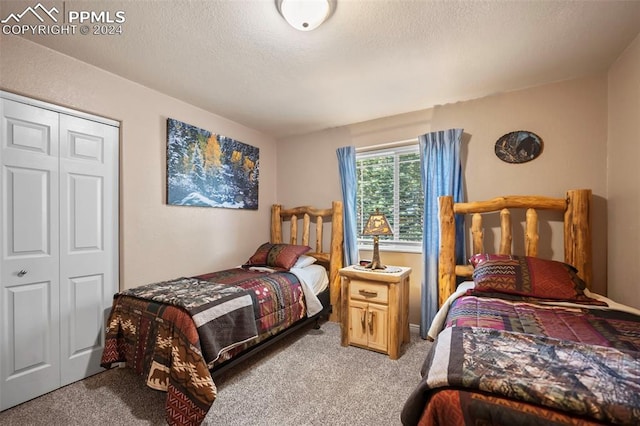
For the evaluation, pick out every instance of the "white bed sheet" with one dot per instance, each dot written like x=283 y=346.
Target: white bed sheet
x=314 y=280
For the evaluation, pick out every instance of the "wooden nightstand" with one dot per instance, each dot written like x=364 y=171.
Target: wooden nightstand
x=375 y=309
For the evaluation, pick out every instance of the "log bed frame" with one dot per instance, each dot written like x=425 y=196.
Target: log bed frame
x=577 y=232
x=332 y=260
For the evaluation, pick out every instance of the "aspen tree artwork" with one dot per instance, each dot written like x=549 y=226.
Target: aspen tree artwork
x=210 y=170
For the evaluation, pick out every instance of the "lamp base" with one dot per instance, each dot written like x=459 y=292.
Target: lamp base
x=375 y=265
x=375 y=261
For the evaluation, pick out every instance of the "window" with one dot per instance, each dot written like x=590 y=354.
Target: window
x=389 y=180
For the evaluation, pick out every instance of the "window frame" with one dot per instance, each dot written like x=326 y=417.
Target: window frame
x=395 y=150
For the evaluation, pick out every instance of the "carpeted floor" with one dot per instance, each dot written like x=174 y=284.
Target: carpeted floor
x=307 y=379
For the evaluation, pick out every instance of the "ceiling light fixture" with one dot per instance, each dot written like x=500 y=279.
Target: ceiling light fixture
x=305 y=15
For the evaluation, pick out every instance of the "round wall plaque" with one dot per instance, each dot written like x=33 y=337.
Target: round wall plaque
x=518 y=147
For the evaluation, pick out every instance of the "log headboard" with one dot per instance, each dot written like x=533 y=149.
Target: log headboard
x=577 y=232
x=331 y=259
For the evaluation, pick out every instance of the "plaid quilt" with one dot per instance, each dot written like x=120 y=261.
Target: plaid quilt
x=158 y=337
x=223 y=314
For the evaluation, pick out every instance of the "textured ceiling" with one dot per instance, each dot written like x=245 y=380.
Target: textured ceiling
x=372 y=58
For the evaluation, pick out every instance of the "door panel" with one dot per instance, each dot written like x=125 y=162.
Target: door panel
x=31 y=365
x=358 y=323
x=86 y=147
x=377 y=326
x=27 y=216
x=85 y=212
x=29 y=267
x=88 y=240
x=29 y=315
x=28 y=134
x=85 y=314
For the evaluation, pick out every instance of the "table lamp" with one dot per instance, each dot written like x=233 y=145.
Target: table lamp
x=377 y=225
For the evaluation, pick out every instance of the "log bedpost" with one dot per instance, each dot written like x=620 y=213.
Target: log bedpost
x=337 y=261
x=577 y=233
x=447 y=257
x=276 y=224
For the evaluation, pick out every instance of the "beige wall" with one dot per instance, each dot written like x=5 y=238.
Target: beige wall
x=157 y=241
x=570 y=117
x=623 y=187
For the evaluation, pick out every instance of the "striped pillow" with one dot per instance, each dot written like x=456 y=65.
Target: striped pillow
x=527 y=276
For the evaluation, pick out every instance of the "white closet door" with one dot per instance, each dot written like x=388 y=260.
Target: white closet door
x=88 y=241
x=59 y=249
x=29 y=264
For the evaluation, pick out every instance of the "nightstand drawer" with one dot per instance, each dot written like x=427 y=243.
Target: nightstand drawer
x=371 y=292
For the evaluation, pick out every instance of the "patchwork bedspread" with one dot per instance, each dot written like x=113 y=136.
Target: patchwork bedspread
x=602 y=327
x=595 y=382
x=504 y=359
x=223 y=314
x=173 y=332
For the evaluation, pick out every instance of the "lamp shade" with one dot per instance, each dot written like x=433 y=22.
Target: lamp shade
x=377 y=225
x=305 y=15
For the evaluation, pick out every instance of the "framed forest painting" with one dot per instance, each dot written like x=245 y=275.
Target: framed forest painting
x=210 y=170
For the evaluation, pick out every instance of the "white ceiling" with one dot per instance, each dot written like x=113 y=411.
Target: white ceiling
x=372 y=58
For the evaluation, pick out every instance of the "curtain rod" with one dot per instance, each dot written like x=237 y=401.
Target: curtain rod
x=387 y=145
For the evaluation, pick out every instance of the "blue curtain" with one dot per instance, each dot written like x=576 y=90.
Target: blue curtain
x=348 y=181
x=441 y=174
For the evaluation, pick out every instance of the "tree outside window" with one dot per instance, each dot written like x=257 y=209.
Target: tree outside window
x=389 y=180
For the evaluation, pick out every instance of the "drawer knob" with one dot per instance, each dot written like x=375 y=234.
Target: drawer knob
x=367 y=293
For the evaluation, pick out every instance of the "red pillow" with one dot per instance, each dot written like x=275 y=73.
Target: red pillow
x=277 y=255
x=527 y=276
x=477 y=259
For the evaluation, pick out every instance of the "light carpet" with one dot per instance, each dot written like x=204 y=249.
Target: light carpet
x=306 y=379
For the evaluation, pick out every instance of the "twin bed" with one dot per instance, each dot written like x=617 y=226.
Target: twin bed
x=523 y=340
x=179 y=334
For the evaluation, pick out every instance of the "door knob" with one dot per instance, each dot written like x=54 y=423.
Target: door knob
x=22 y=273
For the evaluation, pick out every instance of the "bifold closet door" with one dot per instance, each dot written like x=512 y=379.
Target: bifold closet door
x=59 y=263
x=29 y=293
x=88 y=240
